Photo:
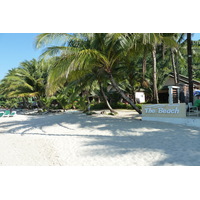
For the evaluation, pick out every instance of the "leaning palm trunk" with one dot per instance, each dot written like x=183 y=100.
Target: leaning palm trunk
x=114 y=84
x=155 y=88
x=174 y=67
x=106 y=100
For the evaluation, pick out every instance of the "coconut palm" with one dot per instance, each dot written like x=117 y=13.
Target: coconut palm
x=88 y=51
x=190 y=74
x=28 y=80
x=86 y=82
x=150 y=41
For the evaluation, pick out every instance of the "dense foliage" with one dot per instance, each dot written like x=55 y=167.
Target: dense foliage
x=87 y=71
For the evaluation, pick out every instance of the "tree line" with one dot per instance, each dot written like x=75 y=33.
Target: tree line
x=75 y=68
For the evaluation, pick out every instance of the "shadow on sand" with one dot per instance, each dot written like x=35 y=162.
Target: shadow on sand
x=125 y=135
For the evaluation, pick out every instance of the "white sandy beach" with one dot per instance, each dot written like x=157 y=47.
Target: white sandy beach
x=76 y=139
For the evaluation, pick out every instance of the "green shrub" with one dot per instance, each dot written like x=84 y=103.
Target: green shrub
x=118 y=105
x=139 y=106
x=98 y=106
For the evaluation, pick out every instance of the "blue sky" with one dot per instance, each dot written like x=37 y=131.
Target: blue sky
x=18 y=47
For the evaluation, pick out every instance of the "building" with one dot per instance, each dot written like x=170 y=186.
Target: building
x=183 y=95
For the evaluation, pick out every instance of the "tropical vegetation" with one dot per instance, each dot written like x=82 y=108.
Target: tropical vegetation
x=86 y=70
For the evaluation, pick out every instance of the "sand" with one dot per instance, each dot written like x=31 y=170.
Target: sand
x=76 y=139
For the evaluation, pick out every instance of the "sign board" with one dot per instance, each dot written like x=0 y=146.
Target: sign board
x=177 y=110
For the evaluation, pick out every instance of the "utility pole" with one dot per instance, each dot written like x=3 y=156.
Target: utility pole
x=190 y=74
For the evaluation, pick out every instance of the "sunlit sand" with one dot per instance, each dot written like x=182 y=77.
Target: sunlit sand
x=76 y=139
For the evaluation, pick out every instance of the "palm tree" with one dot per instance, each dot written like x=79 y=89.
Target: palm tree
x=82 y=80
x=150 y=41
x=176 y=55
x=88 y=51
x=28 y=80
x=190 y=74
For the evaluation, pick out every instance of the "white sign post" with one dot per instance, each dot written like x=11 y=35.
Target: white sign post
x=171 y=88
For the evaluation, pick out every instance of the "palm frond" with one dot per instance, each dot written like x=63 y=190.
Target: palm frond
x=45 y=39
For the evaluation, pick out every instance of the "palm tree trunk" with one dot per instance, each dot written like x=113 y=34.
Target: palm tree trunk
x=174 y=67
x=177 y=69
x=133 y=96
x=189 y=51
x=155 y=88
x=114 y=84
x=144 y=63
x=88 y=104
x=106 y=99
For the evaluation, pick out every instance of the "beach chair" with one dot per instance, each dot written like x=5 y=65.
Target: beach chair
x=1 y=114
x=6 y=113
x=192 y=110
x=13 y=114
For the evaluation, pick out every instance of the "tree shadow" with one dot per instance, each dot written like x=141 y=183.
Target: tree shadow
x=111 y=136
